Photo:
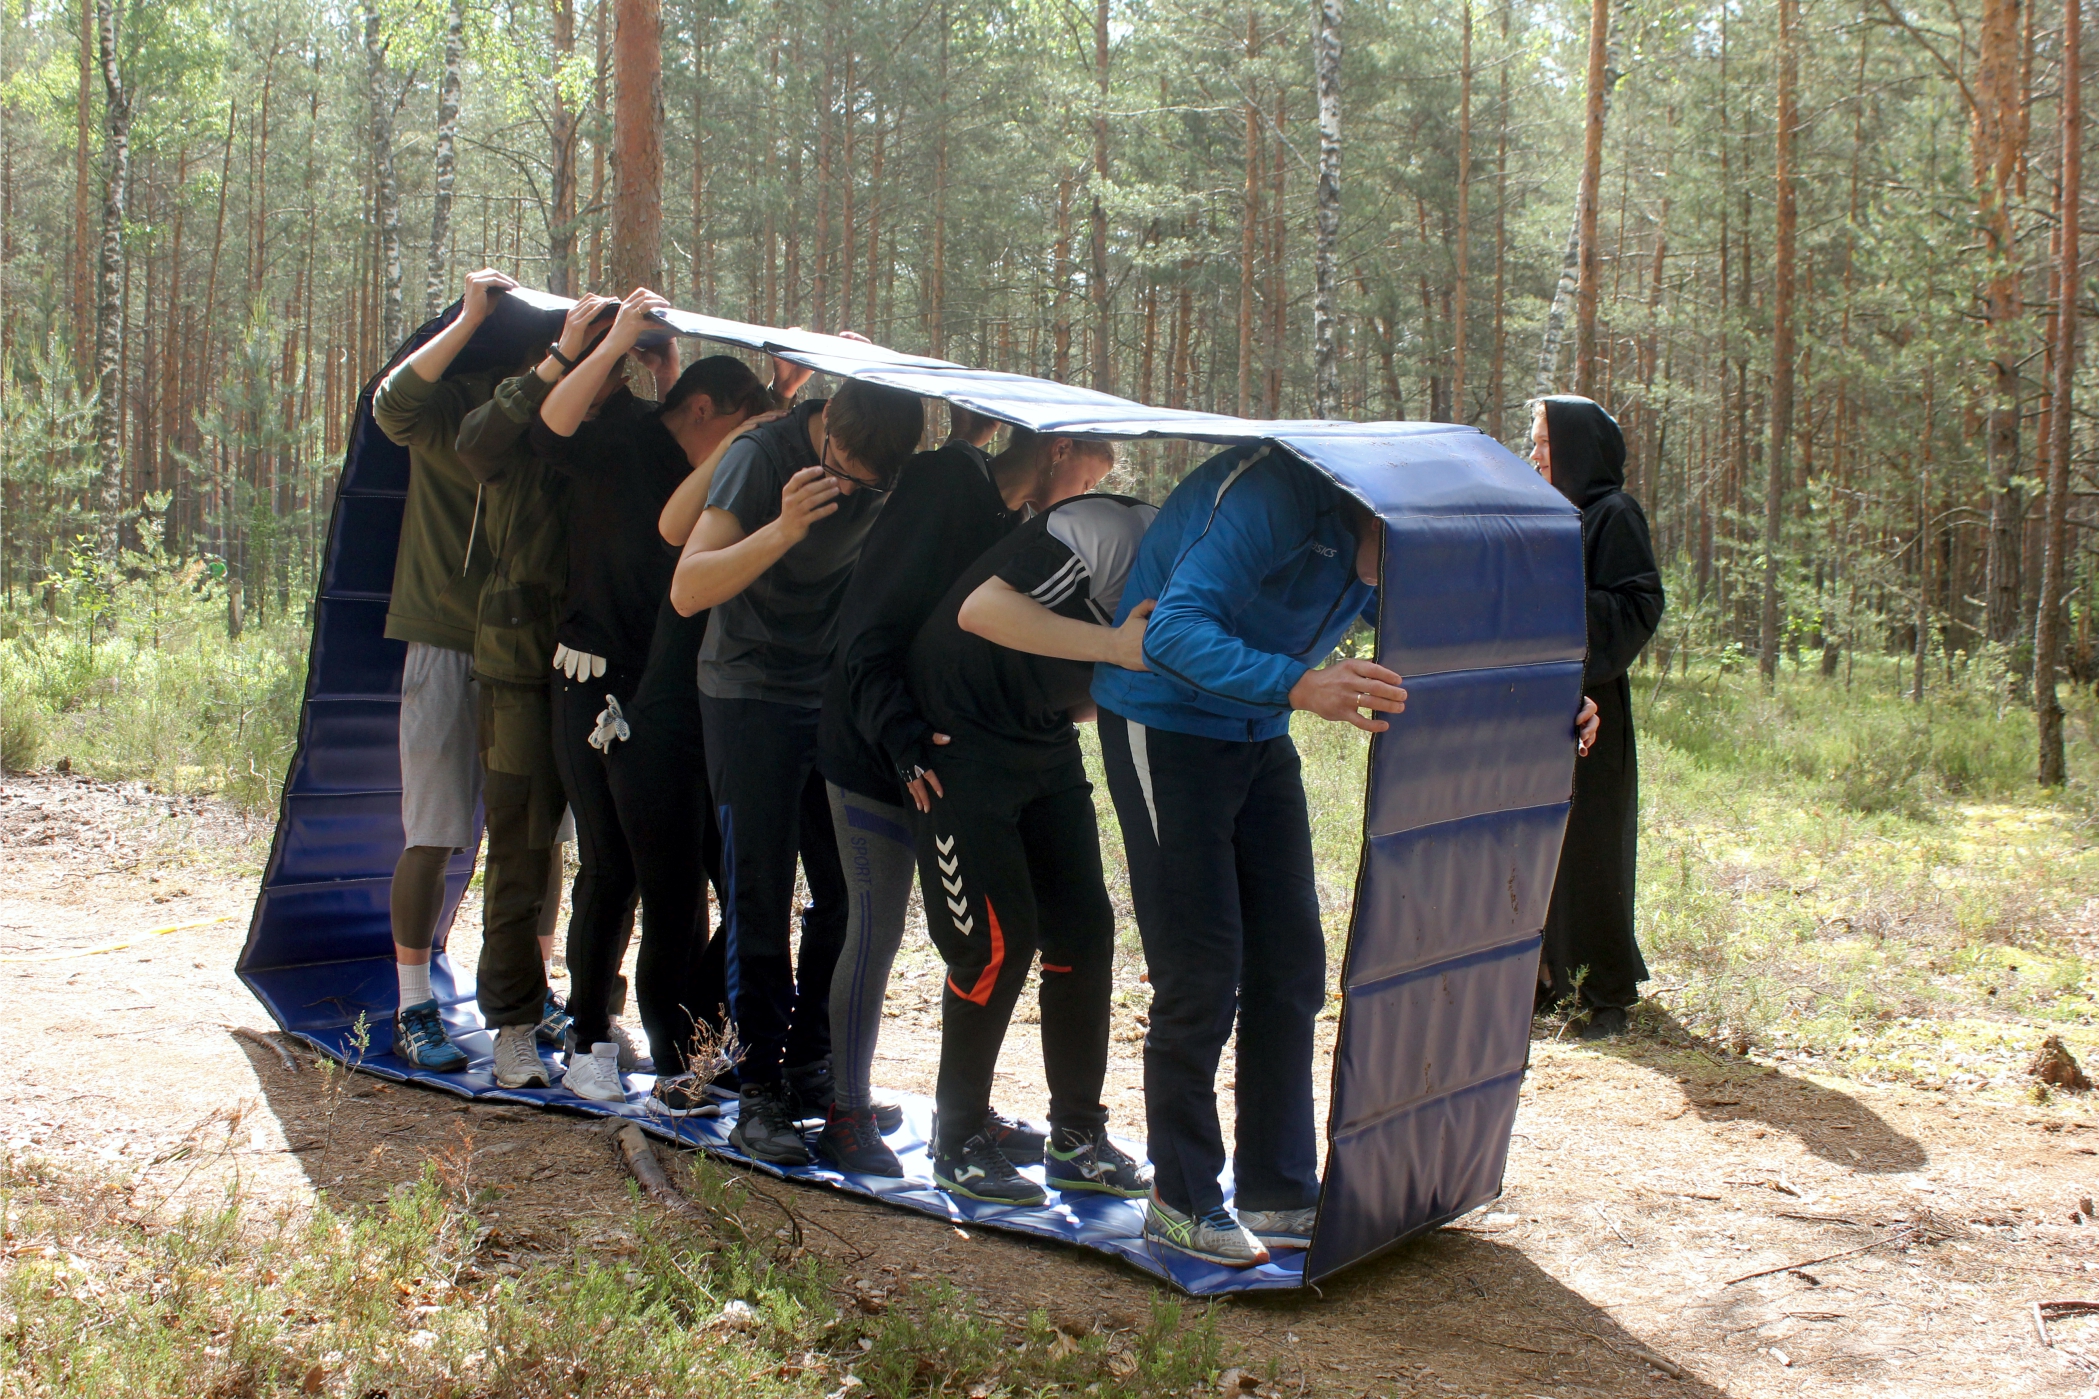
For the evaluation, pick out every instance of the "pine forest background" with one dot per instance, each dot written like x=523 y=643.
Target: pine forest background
x=1819 y=278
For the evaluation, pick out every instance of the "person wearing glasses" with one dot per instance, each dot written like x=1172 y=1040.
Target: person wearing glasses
x=787 y=512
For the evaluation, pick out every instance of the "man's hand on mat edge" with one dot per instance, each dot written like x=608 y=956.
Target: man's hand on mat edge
x=1344 y=690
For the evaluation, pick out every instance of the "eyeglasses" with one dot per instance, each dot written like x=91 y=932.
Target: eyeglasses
x=840 y=474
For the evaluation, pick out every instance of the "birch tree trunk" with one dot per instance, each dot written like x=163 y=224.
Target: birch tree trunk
x=387 y=201
x=1547 y=378
x=435 y=281
x=2047 y=649
x=1778 y=451
x=637 y=133
x=1326 y=208
x=83 y=288
x=109 y=308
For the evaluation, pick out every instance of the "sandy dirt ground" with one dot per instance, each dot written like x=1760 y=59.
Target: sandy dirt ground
x=1676 y=1221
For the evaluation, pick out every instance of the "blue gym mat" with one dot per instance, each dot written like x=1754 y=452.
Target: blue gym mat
x=1481 y=609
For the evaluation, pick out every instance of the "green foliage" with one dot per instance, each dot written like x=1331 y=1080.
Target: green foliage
x=137 y=679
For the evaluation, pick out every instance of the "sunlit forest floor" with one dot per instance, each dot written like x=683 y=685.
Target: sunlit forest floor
x=1860 y=916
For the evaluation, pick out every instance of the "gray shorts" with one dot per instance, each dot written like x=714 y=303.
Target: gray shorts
x=440 y=747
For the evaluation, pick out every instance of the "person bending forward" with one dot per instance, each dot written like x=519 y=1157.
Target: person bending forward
x=1009 y=855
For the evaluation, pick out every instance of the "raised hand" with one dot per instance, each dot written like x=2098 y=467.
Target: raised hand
x=481 y=290
x=637 y=312
x=808 y=496
x=576 y=327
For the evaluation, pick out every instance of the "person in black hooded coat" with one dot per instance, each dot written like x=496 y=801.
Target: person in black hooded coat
x=1576 y=445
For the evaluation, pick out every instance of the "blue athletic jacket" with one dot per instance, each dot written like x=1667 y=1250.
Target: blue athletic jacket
x=1253 y=562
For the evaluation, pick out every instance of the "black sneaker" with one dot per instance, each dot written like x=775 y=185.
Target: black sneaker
x=852 y=1141
x=1020 y=1142
x=980 y=1171
x=683 y=1096
x=1604 y=1023
x=1090 y=1161
x=765 y=1128
x=810 y=1091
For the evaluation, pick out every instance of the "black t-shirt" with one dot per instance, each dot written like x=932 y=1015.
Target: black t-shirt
x=944 y=514
x=625 y=465
x=1009 y=706
x=773 y=641
x=667 y=700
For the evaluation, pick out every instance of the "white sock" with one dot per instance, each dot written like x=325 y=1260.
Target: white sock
x=415 y=983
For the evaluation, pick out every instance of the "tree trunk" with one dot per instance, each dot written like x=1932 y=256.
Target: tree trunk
x=84 y=320
x=874 y=228
x=1250 y=222
x=436 y=282
x=1278 y=263
x=1326 y=208
x=597 y=150
x=1778 y=452
x=561 y=134
x=1585 y=202
x=109 y=309
x=1464 y=242
x=1103 y=341
x=939 y=288
x=382 y=105
x=637 y=160
x=2047 y=647
x=700 y=238
x=1498 y=368
x=1998 y=149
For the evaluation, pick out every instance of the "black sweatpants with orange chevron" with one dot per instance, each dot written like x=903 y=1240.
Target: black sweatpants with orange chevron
x=1009 y=861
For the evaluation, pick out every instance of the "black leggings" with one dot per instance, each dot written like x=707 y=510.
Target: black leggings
x=603 y=895
x=770 y=800
x=658 y=778
x=1010 y=861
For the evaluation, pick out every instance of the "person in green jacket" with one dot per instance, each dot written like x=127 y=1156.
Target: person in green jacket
x=443 y=563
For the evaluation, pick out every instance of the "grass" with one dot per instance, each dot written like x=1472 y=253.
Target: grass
x=142 y=683
x=100 y=1297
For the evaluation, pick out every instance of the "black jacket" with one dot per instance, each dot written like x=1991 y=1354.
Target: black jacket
x=943 y=515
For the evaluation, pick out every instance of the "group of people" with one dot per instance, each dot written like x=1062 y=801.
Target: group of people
x=732 y=635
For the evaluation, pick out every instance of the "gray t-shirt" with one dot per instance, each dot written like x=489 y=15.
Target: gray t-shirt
x=773 y=641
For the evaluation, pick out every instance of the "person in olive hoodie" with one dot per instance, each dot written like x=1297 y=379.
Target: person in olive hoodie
x=438 y=575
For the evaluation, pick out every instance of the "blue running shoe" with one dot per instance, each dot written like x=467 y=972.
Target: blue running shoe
x=554 y=1021
x=419 y=1037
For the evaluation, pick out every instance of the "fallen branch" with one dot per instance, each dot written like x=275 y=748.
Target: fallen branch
x=1811 y=1262
x=642 y=1163
x=284 y=1056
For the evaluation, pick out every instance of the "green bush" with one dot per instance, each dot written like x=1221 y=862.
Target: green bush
x=140 y=681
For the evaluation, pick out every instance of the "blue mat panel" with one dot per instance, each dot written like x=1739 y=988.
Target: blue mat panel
x=1481 y=610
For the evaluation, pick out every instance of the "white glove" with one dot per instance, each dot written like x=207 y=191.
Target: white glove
x=577 y=665
x=611 y=726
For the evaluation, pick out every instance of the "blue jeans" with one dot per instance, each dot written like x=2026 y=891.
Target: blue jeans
x=1219 y=845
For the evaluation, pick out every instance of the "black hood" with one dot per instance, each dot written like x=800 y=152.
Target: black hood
x=1588 y=451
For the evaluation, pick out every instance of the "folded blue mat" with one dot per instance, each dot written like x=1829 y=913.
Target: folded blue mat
x=1481 y=609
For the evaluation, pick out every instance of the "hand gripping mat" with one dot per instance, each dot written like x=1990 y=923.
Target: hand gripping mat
x=1482 y=610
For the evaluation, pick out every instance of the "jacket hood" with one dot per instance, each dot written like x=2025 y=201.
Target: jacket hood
x=1588 y=450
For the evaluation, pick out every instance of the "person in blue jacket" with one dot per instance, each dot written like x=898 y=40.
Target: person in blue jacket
x=1260 y=565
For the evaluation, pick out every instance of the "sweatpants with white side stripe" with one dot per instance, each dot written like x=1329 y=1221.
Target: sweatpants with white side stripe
x=1010 y=861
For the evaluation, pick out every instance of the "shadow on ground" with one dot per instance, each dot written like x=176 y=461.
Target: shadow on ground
x=1722 y=1087
x=1455 y=1306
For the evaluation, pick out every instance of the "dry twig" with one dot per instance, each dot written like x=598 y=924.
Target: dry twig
x=284 y=1056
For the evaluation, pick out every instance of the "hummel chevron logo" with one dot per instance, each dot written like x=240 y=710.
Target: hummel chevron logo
x=966 y=926
x=943 y=846
x=958 y=907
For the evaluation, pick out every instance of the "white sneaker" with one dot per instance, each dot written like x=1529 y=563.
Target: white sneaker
x=596 y=1075
x=1280 y=1228
x=518 y=1064
x=630 y=1055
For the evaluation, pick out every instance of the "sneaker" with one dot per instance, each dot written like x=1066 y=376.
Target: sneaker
x=1021 y=1142
x=810 y=1091
x=518 y=1064
x=1090 y=1161
x=420 y=1038
x=889 y=1117
x=1604 y=1023
x=765 y=1127
x=1280 y=1228
x=980 y=1171
x=554 y=1021
x=683 y=1096
x=631 y=1059
x=596 y=1075
x=1215 y=1238
x=852 y=1141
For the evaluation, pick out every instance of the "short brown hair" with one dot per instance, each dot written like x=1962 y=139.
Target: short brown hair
x=1025 y=440
x=880 y=426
